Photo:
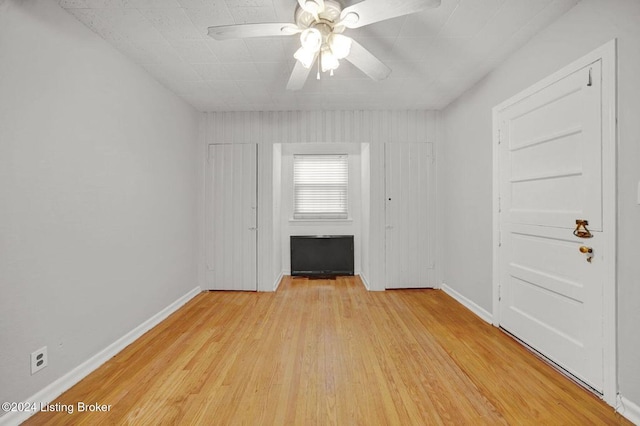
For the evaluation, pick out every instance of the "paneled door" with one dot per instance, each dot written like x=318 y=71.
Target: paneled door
x=550 y=165
x=409 y=215
x=231 y=217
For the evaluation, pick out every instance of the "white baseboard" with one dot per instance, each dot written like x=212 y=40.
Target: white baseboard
x=628 y=409
x=276 y=283
x=64 y=383
x=364 y=280
x=472 y=306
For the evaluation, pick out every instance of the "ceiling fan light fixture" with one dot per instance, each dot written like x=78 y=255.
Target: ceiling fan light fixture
x=306 y=57
x=311 y=39
x=340 y=45
x=328 y=61
x=320 y=24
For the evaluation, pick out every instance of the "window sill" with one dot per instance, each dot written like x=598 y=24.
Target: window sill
x=346 y=221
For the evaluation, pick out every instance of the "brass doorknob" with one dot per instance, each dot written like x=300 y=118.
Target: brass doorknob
x=588 y=251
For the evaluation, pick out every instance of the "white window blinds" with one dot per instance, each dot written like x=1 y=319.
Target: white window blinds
x=320 y=186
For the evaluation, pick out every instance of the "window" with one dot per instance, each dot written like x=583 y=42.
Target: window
x=320 y=186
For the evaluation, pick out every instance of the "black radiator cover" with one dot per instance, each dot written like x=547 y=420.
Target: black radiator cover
x=321 y=255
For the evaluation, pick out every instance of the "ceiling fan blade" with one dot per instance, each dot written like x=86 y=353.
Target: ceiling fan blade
x=367 y=63
x=224 y=32
x=371 y=11
x=299 y=76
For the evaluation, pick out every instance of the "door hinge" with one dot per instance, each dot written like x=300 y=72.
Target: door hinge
x=499 y=204
x=499 y=136
x=590 y=82
x=499 y=238
x=499 y=292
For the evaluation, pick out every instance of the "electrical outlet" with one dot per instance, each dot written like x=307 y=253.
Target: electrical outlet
x=39 y=360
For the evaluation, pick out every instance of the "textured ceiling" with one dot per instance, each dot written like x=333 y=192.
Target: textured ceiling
x=434 y=55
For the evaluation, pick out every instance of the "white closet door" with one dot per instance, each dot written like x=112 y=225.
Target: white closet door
x=231 y=235
x=409 y=214
x=550 y=176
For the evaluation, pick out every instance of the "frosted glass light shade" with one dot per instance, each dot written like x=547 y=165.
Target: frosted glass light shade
x=313 y=7
x=340 y=45
x=305 y=56
x=311 y=39
x=329 y=61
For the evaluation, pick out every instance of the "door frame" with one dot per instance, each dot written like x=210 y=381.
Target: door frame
x=607 y=54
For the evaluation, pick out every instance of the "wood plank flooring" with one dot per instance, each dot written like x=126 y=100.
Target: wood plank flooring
x=328 y=352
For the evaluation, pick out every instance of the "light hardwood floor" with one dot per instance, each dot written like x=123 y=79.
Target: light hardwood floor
x=328 y=352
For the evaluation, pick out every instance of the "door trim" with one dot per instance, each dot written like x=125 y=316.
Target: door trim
x=607 y=54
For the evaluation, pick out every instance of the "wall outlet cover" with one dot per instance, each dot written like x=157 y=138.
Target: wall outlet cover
x=39 y=360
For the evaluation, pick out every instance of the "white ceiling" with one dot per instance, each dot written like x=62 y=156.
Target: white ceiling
x=434 y=55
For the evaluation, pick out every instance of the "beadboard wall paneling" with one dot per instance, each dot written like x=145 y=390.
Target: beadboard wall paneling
x=321 y=126
x=266 y=128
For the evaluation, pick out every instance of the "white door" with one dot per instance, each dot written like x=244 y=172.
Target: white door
x=231 y=215
x=409 y=215
x=550 y=162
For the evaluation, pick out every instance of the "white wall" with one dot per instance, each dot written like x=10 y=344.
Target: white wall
x=350 y=226
x=98 y=195
x=466 y=172
x=268 y=128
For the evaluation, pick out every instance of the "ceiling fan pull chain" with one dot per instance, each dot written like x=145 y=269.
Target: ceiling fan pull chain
x=319 y=61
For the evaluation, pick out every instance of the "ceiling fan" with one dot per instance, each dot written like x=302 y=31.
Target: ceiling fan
x=320 y=24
